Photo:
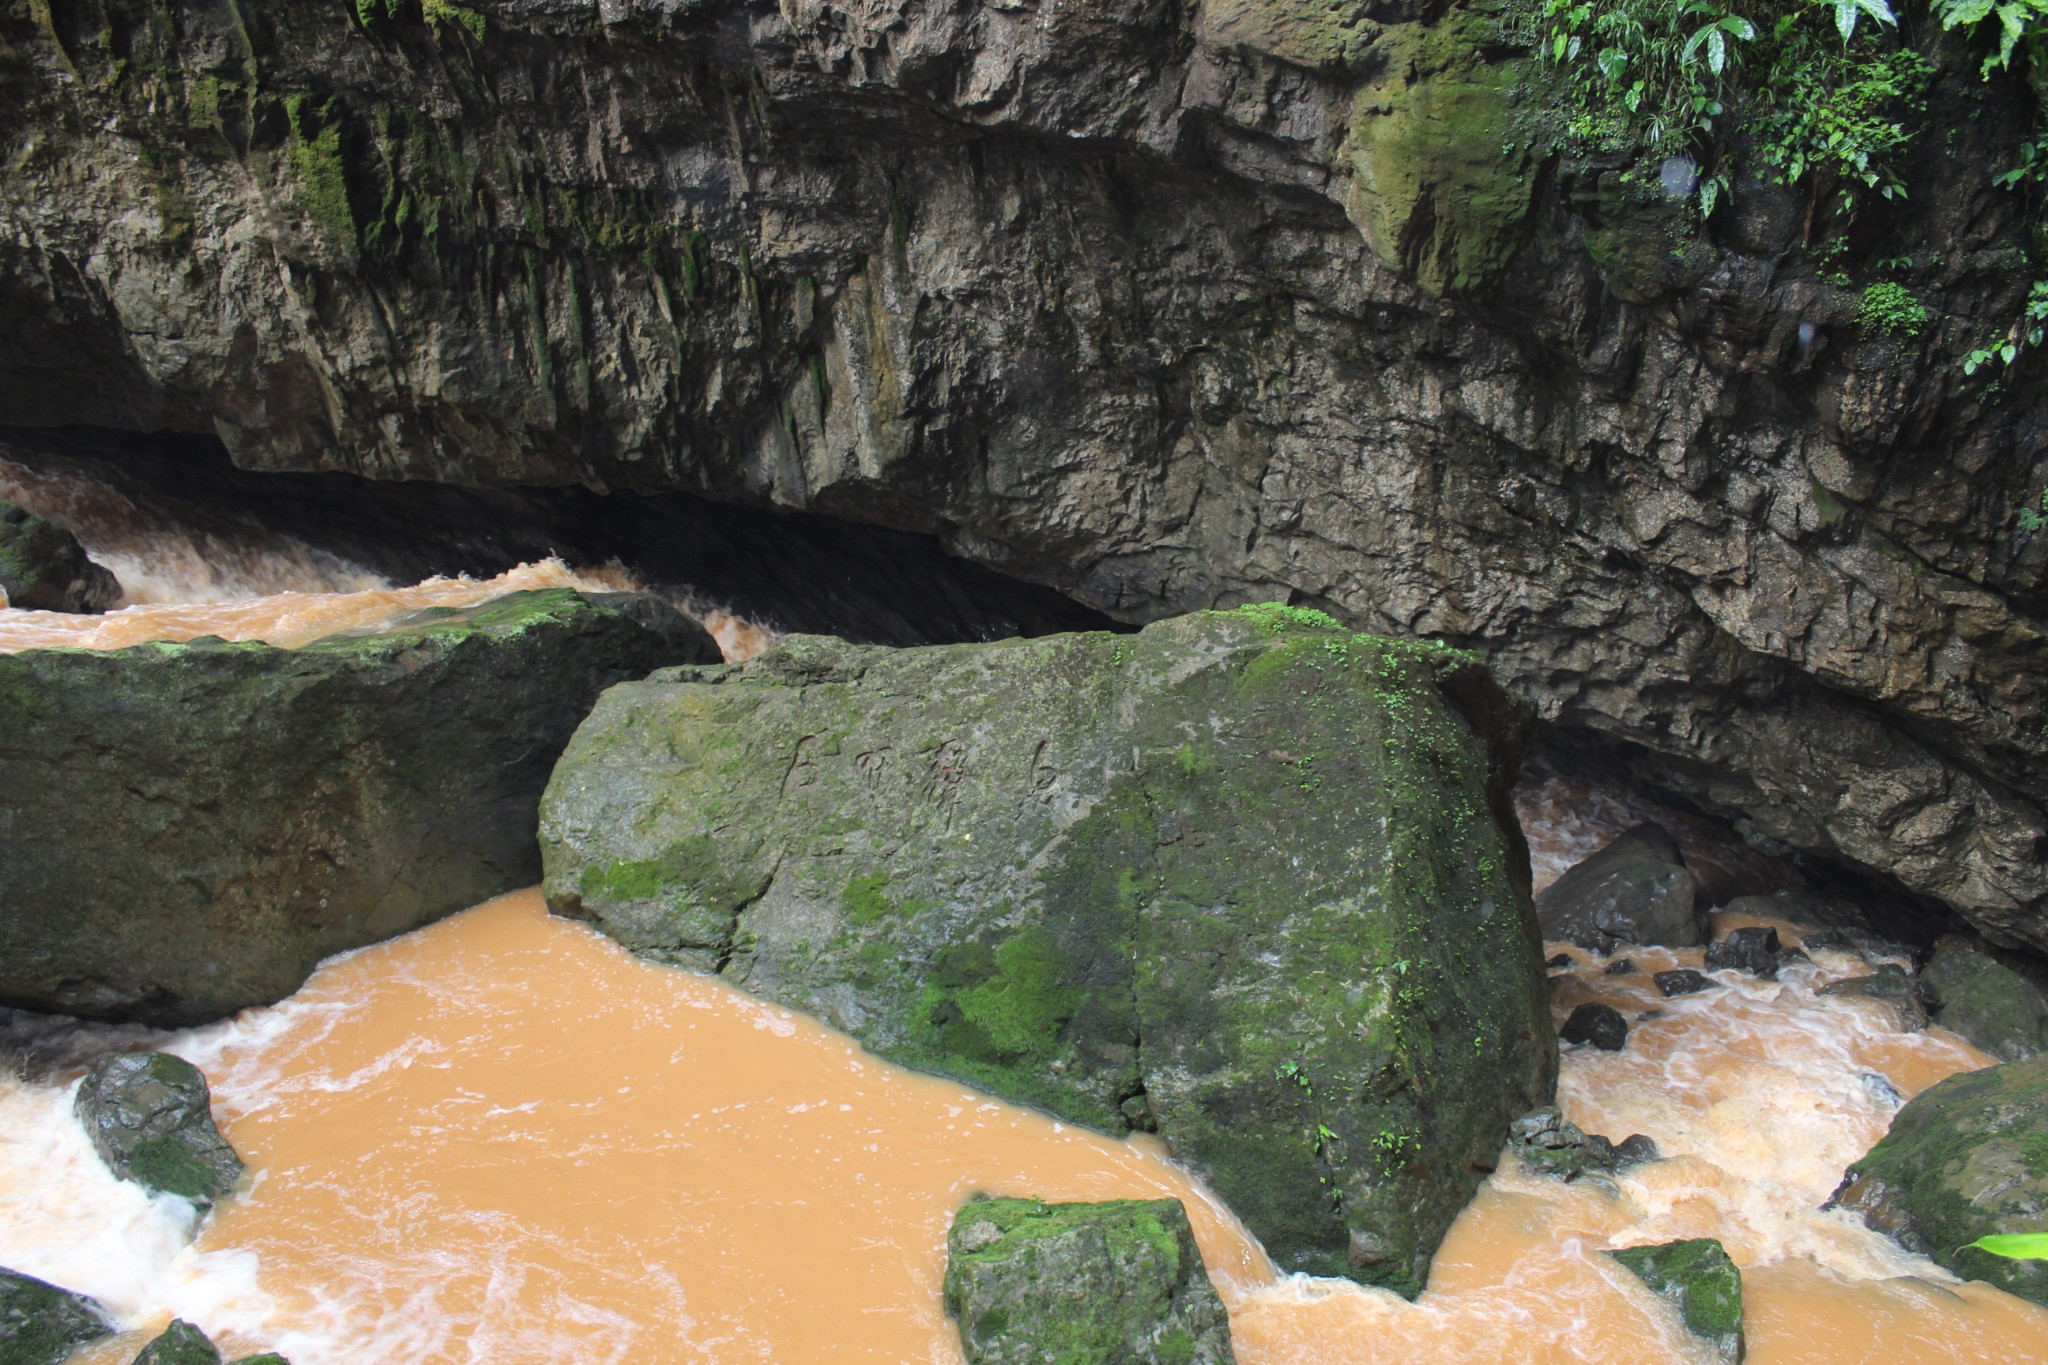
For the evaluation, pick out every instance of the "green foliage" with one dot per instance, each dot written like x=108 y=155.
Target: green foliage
x=2027 y=331
x=1889 y=309
x=2016 y=1246
x=440 y=14
x=2018 y=21
x=2034 y=518
x=1277 y=616
x=315 y=152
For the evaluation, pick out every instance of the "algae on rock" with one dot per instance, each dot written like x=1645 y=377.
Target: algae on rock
x=1244 y=878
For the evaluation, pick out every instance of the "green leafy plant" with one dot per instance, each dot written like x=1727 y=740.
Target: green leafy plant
x=1889 y=309
x=2034 y=518
x=2027 y=331
x=2017 y=23
x=2017 y=1246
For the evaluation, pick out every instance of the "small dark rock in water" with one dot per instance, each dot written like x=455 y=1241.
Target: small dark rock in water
x=1963 y=1160
x=1118 y=1281
x=44 y=568
x=1882 y=1090
x=1636 y=890
x=1550 y=1144
x=151 y=1120
x=180 y=1344
x=1621 y=966
x=1707 y=1287
x=267 y=1358
x=1562 y=960
x=1682 y=981
x=1754 y=950
x=1600 y=1025
x=1636 y=1148
x=41 y=1324
x=1997 y=1000
x=1890 y=984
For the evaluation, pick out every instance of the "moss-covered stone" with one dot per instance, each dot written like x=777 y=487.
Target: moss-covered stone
x=1698 y=1276
x=1241 y=878
x=1997 y=1000
x=179 y=1344
x=1120 y=1281
x=190 y=827
x=44 y=568
x=41 y=1324
x=1964 y=1160
x=150 y=1117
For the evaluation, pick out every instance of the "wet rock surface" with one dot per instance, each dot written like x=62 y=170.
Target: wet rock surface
x=44 y=568
x=1037 y=308
x=1965 y=1159
x=1600 y=1025
x=1635 y=890
x=1698 y=1276
x=1138 y=881
x=150 y=1117
x=1891 y=984
x=1547 y=1143
x=1997 y=1000
x=1682 y=981
x=41 y=1324
x=190 y=827
x=1754 y=950
x=180 y=1344
x=1120 y=1281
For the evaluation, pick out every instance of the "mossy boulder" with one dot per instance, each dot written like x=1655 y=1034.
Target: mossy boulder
x=1119 y=1281
x=41 y=1324
x=1707 y=1287
x=1245 y=878
x=1964 y=1160
x=150 y=1117
x=44 y=568
x=190 y=827
x=180 y=1344
x=1996 y=999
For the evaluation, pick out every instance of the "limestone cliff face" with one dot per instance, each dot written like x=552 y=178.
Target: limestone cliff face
x=1165 y=305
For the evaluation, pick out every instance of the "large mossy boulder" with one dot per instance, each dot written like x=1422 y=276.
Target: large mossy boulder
x=41 y=1324
x=150 y=1117
x=1706 y=1286
x=180 y=1344
x=1121 y=1281
x=1996 y=999
x=1245 y=879
x=44 y=568
x=1964 y=1160
x=188 y=828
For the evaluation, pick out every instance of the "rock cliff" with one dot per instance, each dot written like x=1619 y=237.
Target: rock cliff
x=1165 y=305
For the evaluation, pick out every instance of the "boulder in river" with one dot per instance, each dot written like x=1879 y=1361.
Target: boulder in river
x=41 y=1324
x=1635 y=890
x=1964 y=1160
x=1120 y=1281
x=1697 y=1275
x=150 y=1117
x=180 y=1344
x=1682 y=981
x=1890 y=984
x=44 y=568
x=1996 y=999
x=1245 y=879
x=1547 y=1143
x=1754 y=950
x=1598 y=1024
x=190 y=827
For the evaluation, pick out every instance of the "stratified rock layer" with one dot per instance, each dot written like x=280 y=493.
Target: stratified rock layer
x=190 y=827
x=150 y=1117
x=1170 y=306
x=1120 y=1281
x=1245 y=878
x=1963 y=1160
x=41 y=1324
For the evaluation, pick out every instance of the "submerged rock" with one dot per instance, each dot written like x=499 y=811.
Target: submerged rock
x=1890 y=984
x=1707 y=1287
x=1682 y=981
x=1754 y=950
x=1600 y=1025
x=1964 y=1160
x=190 y=827
x=180 y=1344
x=41 y=1324
x=1120 y=1281
x=1245 y=879
x=1547 y=1143
x=1997 y=1000
x=1635 y=890
x=150 y=1117
x=1621 y=966
x=44 y=568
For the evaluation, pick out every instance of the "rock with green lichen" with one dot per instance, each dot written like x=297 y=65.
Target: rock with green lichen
x=190 y=827
x=150 y=1117
x=1964 y=1160
x=1120 y=1281
x=41 y=1324
x=1996 y=999
x=180 y=1344
x=1698 y=1276
x=1244 y=878
x=44 y=568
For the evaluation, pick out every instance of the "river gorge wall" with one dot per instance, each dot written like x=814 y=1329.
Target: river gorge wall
x=1162 y=306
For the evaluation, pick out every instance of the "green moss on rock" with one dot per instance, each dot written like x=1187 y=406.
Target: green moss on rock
x=180 y=1344
x=1707 y=1287
x=41 y=1324
x=1120 y=1281
x=1240 y=878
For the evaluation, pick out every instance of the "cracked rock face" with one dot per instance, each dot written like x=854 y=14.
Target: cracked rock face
x=1240 y=879
x=1167 y=306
